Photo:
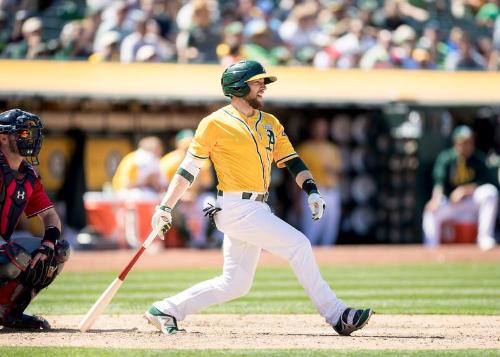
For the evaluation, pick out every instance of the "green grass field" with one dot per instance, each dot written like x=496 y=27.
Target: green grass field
x=451 y=288
x=456 y=288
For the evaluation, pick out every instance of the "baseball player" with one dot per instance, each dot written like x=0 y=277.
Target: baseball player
x=138 y=173
x=323 y=159
x=463 y=185
x=27 y=264
x=242 y=142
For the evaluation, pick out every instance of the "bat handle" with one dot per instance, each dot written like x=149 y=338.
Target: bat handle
x=151 y=237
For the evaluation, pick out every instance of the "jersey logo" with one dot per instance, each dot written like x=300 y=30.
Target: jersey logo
x=20 y=195
x=272 y=140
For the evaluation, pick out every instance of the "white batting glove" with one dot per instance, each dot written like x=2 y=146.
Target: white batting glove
x=162 y=220
x=317 y=205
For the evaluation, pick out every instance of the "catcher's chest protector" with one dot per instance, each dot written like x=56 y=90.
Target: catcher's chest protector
x=15 y=190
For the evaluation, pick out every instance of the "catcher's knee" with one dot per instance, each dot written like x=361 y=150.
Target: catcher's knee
x=14 y=259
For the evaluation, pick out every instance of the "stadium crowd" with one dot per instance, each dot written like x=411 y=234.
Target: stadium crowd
x=410 y=34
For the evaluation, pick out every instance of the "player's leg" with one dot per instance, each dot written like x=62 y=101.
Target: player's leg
x=260 y=227
x=240 y=262
x=18 y=293
x=331 y=219
x=486 y=198
x=264 y=229
x=433 y=220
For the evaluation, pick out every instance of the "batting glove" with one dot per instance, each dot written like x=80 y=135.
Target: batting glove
x=317 y=205
x=162 y=220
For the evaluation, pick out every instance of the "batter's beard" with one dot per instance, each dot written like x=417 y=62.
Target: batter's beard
x=255 y=103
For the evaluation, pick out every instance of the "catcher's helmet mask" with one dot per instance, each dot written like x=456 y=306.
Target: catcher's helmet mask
x=27 y=129
x=235 y=77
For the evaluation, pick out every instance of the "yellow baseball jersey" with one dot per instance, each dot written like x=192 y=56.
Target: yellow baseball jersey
x=242 y=149
x=323 y=160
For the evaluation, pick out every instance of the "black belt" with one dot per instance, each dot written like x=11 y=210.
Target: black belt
x=262 y=197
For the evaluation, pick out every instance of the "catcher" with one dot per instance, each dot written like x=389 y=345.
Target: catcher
x=27 y=264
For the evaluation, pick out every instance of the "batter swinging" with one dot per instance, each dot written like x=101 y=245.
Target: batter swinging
x=242 y=142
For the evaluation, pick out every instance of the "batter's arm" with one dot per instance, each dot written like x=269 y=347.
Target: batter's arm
x=176 y=189
x=304 y=180
x=184 y=177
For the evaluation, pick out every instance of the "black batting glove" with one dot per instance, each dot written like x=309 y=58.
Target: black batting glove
x=210 y=212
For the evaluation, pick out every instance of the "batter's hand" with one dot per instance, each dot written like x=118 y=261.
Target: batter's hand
x=162 y=220
x=317 y=205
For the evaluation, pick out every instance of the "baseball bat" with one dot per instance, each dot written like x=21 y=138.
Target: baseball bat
x=108 y=294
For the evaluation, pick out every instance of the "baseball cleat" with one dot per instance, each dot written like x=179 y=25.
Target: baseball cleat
x=352 y=320
x=26 y=322
x=167 y=324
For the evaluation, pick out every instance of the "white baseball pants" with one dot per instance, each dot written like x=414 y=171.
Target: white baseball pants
x=481 y=206
x=248 y=227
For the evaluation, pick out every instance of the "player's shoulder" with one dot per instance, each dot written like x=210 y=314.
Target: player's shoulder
x=269 y=117
x=27 y=168
x=210 y=118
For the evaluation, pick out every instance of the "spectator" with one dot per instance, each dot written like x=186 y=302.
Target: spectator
x=325 y=34
x=466 y=57
x=138 y=173
x=229 y=50
x=190 y=206
x=185 y=15
x=301 y=28
x=32 y=45
x=431 y=43
x=488 y=13
x=323 y=159
x=494 y=63
x=146 y=33
x=110 y=51
x=378 y=55
x=72 y=43
x=259 y=45
x=198 y=43
x=114 y=18
x=345 y=51
x=463 y=184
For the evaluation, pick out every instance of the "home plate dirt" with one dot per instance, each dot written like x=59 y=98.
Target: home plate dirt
x=268 y=331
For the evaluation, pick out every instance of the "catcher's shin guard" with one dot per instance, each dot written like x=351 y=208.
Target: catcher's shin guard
x=18 y=293
x=13 y=260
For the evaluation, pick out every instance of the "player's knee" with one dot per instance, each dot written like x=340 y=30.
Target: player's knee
x=237 y=287
x=13 y=260
x=486 y=192
x=301 y=246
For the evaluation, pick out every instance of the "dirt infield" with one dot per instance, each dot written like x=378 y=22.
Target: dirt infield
x=408 y=332
x=206 y=331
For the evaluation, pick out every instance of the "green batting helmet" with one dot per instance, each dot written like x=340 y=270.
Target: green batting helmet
x=235 y=77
